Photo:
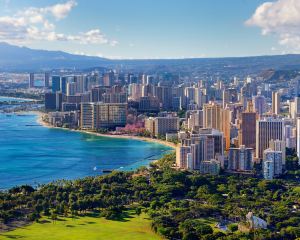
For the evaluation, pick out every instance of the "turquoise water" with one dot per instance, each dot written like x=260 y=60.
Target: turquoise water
x=33 y=154
x=12 y=99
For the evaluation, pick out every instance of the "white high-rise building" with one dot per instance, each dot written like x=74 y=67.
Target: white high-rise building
x=267 y=129
x=71 y=88
x=298 y=138
x=278 y=145
x=272 y=164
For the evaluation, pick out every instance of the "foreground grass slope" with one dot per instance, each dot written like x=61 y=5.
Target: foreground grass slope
x=133 y=228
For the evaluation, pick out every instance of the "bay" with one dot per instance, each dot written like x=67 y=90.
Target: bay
x=33 y=154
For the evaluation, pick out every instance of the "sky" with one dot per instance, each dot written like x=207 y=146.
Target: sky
x=139 y=29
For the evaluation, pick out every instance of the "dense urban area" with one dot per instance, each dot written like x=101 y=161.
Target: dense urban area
x=235 y=170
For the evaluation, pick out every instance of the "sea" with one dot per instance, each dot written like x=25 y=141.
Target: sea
x=33 y=154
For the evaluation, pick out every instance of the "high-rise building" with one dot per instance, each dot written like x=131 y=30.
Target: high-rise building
x=226 y=126
x=114 y=97
x=292 y=109
x=149 y=104
x=272 y=164
x=275 y=102
x=259 y=103
x=108 y=79
x=147 y=90
x=194 y=151
x=297 y=106
x=59 y=101
x=50 y=101
x=71 y=88
x=55 y=84
x=212 y=115
x=189 y=95
x=247 y=127
x=267 y=129
x=47 y=80
x=100 y=115
x=298 y=139
x=182 y=157
x=110 y=115
x=31 y=80
x=278 y=145
x=161 y=125
x=80 y=83
x=216 y=136
x=63 y=84
x=87 y=116
x=135 y=91
x=240 y=159
x=200 y=98
x=211 y=167
x=164 y=94
x=230 y=95
x=194 y=120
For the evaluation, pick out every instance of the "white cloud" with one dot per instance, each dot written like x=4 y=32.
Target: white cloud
x=61 y=10
x=280 y=18
x=34 y=24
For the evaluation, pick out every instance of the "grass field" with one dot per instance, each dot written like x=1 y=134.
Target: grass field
x=133 y=227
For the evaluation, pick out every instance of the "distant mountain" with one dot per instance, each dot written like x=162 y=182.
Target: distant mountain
x=23 y=58
x=14 y=58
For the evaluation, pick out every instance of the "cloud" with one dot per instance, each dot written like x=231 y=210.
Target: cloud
x=34 y=24
x=280 y=18
x=61 y=10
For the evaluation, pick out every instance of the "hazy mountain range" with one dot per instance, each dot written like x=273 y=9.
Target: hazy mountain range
x=14 y=58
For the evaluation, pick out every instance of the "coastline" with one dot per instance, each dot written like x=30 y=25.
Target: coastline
x=144 y=139
x=26 y=99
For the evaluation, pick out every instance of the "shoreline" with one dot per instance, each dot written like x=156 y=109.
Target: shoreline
x=26 y=99
x=130 y=137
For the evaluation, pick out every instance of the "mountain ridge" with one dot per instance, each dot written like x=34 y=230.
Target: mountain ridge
x=16 y=58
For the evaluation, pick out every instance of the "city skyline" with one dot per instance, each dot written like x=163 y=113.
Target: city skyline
x=148 y=29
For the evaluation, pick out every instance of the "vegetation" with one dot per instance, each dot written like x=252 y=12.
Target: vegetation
x=86 y=227
x=180 y=204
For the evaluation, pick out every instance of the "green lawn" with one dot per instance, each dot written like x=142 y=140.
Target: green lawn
x=133 y=228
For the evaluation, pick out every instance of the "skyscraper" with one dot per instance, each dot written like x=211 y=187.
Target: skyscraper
x=275 y=102
x=103 y=115
x=47 y=80
x=63 y=84
x=267 y=129
x=162 y=125
x=230 y=95
x=259 y=103
x=278 y=145
x=108 y=79
x=298 y=138
x=31 y=80
x=297 y=106
x=212 y=116
x=226 y=126
x=240 y=159
x=272 y=163
x=55 y=84
x=71 y=89
x=247 y=127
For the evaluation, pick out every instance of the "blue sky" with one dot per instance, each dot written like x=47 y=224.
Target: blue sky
x=144 y=28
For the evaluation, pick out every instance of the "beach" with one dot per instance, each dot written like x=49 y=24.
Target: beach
x=145 y=139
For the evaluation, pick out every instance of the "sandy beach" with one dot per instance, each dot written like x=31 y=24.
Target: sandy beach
x=168 y=144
